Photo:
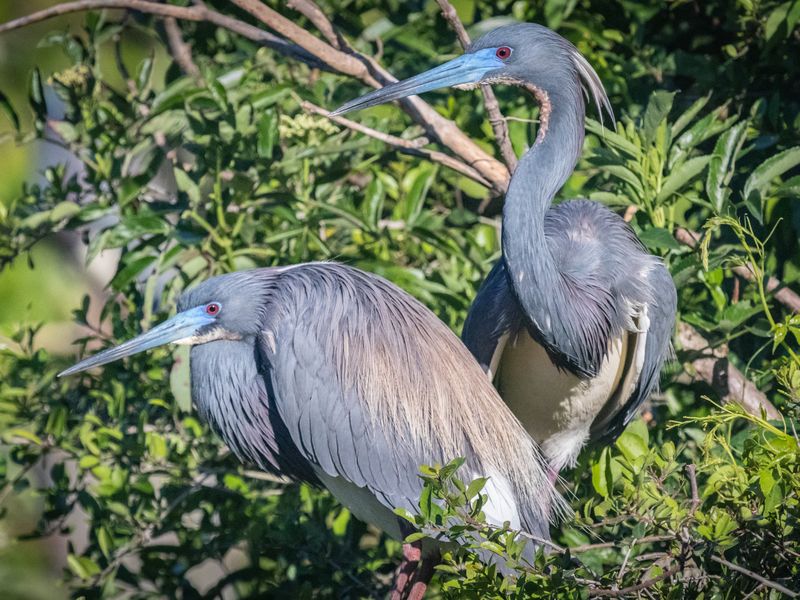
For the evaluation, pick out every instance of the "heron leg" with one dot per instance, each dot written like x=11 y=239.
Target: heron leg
x=413 y=574
x=419 y=584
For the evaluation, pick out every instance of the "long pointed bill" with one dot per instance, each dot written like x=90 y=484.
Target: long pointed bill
x=467 y=68
x=175 y=330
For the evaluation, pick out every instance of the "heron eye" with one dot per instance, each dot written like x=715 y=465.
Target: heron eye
x=213 y=309
x=503 y=52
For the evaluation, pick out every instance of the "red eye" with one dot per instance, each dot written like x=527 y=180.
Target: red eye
x=503 y=52
x=213 y=309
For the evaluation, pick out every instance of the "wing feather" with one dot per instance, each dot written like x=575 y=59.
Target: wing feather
x=371 y=386
x=661 y=312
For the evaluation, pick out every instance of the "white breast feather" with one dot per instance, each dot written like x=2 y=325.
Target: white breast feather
x=556 y=407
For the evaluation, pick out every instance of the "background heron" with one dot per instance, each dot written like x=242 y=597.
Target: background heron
x=574 y=321
x=331 y=376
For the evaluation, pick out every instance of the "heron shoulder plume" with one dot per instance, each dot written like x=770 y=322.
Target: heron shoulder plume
x=411 y=373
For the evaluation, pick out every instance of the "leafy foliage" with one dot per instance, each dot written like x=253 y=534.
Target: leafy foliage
x=190 y=177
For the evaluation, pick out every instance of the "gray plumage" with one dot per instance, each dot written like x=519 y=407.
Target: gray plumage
x=574 y=276
x=326 y=374
x=575 y=288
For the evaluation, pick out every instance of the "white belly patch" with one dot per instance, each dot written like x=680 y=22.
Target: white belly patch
x=556 y=407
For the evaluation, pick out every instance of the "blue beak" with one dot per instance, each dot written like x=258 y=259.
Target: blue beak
x=175 y=330
x=467 y=68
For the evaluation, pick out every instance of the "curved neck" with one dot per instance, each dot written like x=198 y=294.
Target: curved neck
x=541 y=172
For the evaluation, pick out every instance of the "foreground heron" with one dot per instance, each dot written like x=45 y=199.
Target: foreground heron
x=329 y=375
x=574 y=321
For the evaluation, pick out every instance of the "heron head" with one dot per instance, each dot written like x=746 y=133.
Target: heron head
x=226 y=307
x=517 y=54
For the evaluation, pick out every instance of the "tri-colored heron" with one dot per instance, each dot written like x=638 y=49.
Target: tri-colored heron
x=332 y=376
x=574 y=321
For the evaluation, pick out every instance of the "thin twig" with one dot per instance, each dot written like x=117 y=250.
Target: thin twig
x=496 y=119
x=197 y=13
x=648 y=539
x=763 y=580
x=647 y=583
x=314 y=14
x=342 y=62
x=180 y=50
x=406 y=146
x=786 y=296
x=691 y=473
x=366 y=69
x=624 y=565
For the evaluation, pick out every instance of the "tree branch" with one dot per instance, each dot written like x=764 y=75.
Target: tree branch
x=180 y=50
x=336 y=59
x=314 y=14
x=197 y=13
x=443 y=130
x=312 y=51
x=728 y=382
x=786 y=296
x=643 y=585
x=412 y=147
x=496 y=119
x=762 y=580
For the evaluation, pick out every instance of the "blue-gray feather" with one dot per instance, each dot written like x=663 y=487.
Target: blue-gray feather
x=573 y=275
x=339 y=372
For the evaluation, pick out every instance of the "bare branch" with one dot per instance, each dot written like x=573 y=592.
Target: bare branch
x=786 y=296
x=413 y=147
x=762 y=580
x=443 y=130
x=691 y=472
x=647 y=583
x=312 y=51
x=195 y=13
x=714 y=368
x=146 y=6
x=336 y=59
x=314 y=14
x=648 y=539
x=181 y=51
x=496 y=119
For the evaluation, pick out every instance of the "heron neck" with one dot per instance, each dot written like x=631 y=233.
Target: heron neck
x=541 y=172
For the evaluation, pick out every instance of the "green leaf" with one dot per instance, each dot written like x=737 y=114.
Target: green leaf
x=602 y=480
x=131 y=271
x=187 y=185
x=615 y=140
x=6 y=106
x=36 y=94
x=627 y=176
x=775 y=19
x=683 y=175
x=416 y=183
x=632 y=446
x=374 y=197
x=687 y=117
x=474 y=488
x=414 y=537
x=658 y=237
x=722 y=163
x=267 y=133
x=790 y=188
x=757 y=185
x=144 y=73
x=656 y=112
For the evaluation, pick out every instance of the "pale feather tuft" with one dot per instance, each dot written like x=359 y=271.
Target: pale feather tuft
x=592 y=84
